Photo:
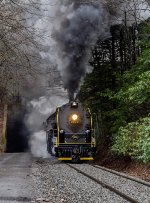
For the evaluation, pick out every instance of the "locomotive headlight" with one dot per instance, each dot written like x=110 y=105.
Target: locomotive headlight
x=61 y=131
x=74 y=117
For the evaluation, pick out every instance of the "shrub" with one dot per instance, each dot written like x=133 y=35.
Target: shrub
x=134 y=140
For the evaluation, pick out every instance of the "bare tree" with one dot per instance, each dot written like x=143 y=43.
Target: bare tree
x=18 y=47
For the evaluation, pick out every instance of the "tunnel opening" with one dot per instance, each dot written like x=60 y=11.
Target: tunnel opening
x=17 y=136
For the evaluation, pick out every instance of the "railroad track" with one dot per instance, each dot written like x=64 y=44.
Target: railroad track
x=108 y=186
x=123 y=175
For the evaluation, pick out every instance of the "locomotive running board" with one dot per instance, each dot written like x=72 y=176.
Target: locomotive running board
x=86 y=159
x=65 y=159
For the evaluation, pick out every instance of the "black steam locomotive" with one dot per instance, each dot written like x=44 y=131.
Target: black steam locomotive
x=69 y=133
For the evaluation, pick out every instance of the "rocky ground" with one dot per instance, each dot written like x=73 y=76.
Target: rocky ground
x=56 y=182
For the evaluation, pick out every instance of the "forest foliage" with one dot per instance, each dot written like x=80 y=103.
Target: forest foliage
x=118 y=90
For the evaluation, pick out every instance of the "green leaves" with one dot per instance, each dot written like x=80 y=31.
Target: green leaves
x=134 y=140
x=137 y=92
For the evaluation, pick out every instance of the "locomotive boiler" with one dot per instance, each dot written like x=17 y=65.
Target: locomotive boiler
x=70 y=134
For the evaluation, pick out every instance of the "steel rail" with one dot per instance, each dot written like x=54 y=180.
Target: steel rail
x=122 y=175
x=103 y=184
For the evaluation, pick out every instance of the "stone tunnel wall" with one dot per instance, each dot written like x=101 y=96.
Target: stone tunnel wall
x=3 y=124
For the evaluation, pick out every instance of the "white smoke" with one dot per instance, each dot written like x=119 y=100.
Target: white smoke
x=38 y=144
x=39 y=110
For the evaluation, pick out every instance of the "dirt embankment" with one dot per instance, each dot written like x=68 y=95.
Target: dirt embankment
x=123 y=164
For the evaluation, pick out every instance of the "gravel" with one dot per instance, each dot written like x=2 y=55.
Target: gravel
x=129 y=187
x=55 y=182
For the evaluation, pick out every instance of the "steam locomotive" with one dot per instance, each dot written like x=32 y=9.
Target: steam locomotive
x=69 y=133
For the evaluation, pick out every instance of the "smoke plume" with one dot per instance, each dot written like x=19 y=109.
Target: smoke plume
x=77 y=35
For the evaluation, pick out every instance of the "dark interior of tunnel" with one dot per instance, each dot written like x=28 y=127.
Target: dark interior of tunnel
x=17 y=132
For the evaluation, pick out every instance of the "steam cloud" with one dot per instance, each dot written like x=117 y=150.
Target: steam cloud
x=39 y=110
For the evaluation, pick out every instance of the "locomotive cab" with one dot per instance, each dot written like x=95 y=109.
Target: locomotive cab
x=73 y=133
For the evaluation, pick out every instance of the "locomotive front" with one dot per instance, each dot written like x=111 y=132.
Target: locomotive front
x=75 y=137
